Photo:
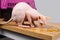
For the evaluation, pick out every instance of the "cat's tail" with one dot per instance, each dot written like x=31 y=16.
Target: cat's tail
x=7 y=21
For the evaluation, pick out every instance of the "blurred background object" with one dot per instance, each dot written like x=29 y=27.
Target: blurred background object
x=7 y=6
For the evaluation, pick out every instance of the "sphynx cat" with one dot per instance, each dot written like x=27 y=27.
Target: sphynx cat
x=22 y=11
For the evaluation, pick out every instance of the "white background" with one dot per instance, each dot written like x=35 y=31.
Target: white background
x=49 y=8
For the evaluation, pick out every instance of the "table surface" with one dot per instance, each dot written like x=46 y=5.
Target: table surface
x=52 y=30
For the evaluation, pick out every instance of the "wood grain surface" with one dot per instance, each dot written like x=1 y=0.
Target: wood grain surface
x=50 y=32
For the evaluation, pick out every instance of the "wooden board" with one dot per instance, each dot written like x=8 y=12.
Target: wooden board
x=50 y=32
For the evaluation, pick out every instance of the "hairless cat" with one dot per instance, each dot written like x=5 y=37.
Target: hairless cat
x=22 y=11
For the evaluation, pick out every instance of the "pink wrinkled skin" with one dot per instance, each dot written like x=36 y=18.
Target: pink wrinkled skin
x=21 y=11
